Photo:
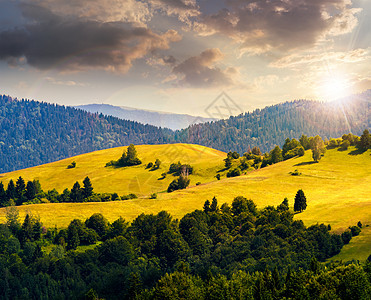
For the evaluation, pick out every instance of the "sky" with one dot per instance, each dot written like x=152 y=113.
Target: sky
x=180 y=55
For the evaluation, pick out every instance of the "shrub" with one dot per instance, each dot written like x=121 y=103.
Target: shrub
x=198 y=183
x=71 y=165
x=217 y=176
x=149 y=165
x=295 y=173
x=153 y=196
x=355 y=230
x=234 y=172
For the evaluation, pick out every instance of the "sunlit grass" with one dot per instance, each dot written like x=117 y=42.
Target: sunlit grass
x=337 y=189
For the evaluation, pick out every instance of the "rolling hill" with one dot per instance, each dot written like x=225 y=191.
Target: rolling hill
x=34 y=133
x=156 y=118
x=135 y=179
x=271 y=125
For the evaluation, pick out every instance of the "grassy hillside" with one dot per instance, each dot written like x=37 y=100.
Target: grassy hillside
x=135 y=179
x=337 y=188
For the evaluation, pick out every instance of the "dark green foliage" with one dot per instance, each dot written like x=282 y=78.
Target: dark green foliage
x=34 y=133
x=237 y=253
x=149 y=165
x=3 y=196
x=228 y=162
x=234 y=172
x=157 y=164
x=207 y=206
x=178 y=184
x=71 y=165
x=276 y=155
x=359 y=224
x=300 y=203
x=346 y=237
x=128 y=158
x=217 y=176
x=76 y=193
x=178 y=168
x=355 y=230
x=10 y=191
x=87 y=190
x=270 y=126
x=98 y=223
x=31 y=190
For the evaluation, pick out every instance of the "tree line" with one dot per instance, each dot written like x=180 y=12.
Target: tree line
x=33 y=133
x=220 y=252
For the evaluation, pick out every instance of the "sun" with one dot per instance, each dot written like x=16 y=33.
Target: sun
x=335 y=87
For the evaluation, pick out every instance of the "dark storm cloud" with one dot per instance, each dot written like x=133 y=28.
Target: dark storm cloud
x=73 y=44
x=263 y=25
x=199 y=71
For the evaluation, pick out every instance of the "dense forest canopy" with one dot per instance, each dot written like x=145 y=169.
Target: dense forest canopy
x=270 y=126
x=221 y=252
x=33 y=133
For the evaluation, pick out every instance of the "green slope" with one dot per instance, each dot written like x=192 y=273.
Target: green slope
x=337 y=188
x=135 y=179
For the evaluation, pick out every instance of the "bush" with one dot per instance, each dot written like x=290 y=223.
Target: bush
x=355 y=230
x=71 y=165
x=198 y=183
x=149 y=165
x=217 y=176
x=346 y=237
x=130 y=196
x=177 y=168
x=178 y=184
x=295 y=173
x=234 y=172
x=153 y=196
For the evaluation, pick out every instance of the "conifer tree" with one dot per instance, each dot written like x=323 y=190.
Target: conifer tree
x=3 y=198
x=207 y=206
x=300 y=201
x=87 y=190
x=214 y=205
x=10 y=191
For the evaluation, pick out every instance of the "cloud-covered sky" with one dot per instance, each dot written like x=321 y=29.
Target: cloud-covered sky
x=179 y=55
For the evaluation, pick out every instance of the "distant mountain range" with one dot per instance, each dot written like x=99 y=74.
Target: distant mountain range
x=33 y=133
x=156 y=118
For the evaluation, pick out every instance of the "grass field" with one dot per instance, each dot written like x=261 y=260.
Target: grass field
x=337 y=189
x=135 y=179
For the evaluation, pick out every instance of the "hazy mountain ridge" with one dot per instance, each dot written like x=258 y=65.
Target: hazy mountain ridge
x=156 y=118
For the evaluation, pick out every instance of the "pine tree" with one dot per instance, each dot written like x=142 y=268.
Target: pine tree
x=73 y=240
x=214 y=205
x=300 y=201
x=87 y=190
x=207 y=206
x=20 y=187
x=10 y=191
x=30 y=191
x=76 y=193
x=3 y=198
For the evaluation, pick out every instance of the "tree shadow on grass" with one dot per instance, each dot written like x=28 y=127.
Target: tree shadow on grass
x=305 y=163
x=357 y=152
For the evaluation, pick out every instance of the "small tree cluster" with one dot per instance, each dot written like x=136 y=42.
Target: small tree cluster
x=128 y=158
x=178 y=168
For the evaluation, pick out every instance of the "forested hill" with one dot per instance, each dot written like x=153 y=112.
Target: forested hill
x=270 y=126
x=33 y=133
